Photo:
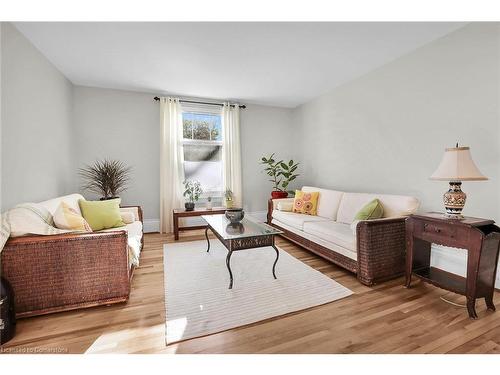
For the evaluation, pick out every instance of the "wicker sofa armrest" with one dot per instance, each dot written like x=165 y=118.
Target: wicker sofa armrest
x=66 y=271
x=272 y=204
x=381 y=249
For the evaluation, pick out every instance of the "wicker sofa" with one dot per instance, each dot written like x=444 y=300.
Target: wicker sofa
x=373 y=249
x=69 y=271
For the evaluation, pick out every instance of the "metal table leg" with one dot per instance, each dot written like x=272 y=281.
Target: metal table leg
x=208 y=241
x=228 y=264
x=276 y=261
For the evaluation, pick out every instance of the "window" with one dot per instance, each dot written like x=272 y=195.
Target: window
x=202 y=147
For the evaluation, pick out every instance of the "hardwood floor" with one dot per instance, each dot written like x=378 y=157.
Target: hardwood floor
x=384 y=319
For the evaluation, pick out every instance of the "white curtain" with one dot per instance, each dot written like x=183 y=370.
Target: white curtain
x=171 y=161
x=231 y=151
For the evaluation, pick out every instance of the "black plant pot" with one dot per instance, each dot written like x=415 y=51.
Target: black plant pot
x=107 y=199
x=189 y=206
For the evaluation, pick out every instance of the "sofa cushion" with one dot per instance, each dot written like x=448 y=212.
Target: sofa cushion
x=394 y=205
x=331 y=231
x=102 y=214
x=285 y=206
x=306 y=202
x=371 y=210
x=66 y=217
x=353 y=254
x=71 y=200
x=295 y=220
x=127 y=217
x=328 y=201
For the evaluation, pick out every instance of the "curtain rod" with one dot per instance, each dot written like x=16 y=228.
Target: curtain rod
x=242 y=106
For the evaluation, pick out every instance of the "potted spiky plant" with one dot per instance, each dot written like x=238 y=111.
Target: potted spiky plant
x=281 y=173
x=192 y=191
x=105 y=177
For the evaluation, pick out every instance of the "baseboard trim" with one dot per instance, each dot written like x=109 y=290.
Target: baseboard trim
x=153 y=225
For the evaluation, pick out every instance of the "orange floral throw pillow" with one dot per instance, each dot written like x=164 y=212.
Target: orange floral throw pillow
x=306 y=203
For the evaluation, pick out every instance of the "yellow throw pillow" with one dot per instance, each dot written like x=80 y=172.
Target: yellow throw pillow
x=102 y=214
x=306 y=203
x=66 y=217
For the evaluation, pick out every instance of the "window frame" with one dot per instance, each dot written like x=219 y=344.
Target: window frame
x=209 y=110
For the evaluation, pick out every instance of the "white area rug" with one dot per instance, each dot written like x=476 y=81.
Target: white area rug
x=198 y=300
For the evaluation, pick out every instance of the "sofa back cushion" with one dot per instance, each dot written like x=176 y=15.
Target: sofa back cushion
x=394 y=205
x=328 y=201
x=71 y=200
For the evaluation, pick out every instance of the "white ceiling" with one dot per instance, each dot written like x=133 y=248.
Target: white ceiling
x=281 y=64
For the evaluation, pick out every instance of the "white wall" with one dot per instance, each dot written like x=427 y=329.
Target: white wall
x=36 y=114
x=121 y=125
x=386 y=131
x=264 y=130
x=125 y=125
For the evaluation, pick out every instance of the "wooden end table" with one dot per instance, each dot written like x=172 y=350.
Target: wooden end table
x=481 y=239
x=181 y=212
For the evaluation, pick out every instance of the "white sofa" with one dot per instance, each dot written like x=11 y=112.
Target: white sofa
x=373 y=249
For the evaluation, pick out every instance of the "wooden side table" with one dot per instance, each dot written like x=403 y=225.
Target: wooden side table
x=480 y=237
x=180 y=212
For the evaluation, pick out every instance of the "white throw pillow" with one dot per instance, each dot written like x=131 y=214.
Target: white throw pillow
x=127 y=217
x=285 y=206
x=68 y=218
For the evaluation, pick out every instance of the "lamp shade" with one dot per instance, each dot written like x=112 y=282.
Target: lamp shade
x=457 y=165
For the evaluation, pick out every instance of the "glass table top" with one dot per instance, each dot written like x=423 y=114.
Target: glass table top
x=248 y=227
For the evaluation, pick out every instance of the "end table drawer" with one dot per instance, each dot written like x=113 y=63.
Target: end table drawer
x=439 y=231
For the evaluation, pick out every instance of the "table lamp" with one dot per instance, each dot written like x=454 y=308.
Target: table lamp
x=456 y=166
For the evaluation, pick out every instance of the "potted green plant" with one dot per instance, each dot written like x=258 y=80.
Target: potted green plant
x=228 y=195
x=281 y=173
x=192 y=191
x=105 y=177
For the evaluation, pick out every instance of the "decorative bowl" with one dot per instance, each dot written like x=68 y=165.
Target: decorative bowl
x=235 y=215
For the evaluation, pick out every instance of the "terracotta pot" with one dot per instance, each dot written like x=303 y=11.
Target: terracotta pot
x=277 y=194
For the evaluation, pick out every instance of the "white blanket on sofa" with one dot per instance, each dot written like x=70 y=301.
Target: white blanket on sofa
x=27 y=218
x=33 y=218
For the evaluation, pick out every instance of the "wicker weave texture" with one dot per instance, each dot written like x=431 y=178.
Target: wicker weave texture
x=381 y=250
x=62 y=272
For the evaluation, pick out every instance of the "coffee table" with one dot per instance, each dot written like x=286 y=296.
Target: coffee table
x=245 y=235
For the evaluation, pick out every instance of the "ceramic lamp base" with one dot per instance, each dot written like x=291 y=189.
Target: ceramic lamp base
x=454 y=200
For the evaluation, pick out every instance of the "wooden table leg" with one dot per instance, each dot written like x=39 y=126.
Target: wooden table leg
x=471 y=287
x=176 y=227
x=489 y=301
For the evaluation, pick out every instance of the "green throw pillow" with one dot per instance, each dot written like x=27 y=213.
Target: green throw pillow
x=102 y=214
x=371 y=210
